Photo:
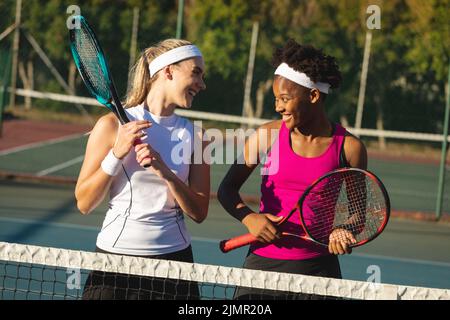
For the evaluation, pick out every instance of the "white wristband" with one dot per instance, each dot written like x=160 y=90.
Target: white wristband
x=111 y=165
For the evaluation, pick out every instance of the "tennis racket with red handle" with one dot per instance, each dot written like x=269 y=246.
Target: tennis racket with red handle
x=93 y=68
x=348 y=204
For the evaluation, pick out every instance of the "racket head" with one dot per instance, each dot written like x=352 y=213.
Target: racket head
x=350 y=199
x=93 y=68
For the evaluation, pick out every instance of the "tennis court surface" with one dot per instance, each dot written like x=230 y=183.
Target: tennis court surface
x=38 y=209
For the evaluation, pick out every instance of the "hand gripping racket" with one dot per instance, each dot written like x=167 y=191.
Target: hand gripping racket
x=342 y=204
x=91 y=64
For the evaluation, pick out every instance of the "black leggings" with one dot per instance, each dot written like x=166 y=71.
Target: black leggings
x=116 y=286
x=325 y=266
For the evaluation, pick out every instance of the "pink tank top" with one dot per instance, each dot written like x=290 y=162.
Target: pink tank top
x=286 y=177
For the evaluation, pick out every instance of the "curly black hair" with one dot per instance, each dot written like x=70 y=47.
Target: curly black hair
x=318 y=66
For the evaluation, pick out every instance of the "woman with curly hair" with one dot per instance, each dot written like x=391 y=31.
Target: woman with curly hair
x=301 y=147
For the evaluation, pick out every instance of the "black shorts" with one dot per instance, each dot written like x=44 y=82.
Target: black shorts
x=325 y=266
x=115 y=286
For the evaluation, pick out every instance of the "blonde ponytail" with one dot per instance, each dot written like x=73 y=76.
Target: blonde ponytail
x=141 y=82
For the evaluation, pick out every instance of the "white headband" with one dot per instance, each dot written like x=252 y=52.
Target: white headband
x=301 y=78
x=173 y=56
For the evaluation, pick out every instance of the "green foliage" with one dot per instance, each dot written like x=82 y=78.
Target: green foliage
x=223 y=32
x=408 y=63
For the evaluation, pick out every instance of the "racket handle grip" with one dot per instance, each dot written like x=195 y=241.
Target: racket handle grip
x=237 y=242
x=139 y=141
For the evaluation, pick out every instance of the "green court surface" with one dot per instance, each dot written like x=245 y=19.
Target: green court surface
x=408 y=252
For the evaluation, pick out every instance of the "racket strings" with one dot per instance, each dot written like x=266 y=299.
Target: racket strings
x=343 y=206
x=91 y=64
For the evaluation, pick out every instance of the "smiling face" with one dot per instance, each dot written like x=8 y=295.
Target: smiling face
x=292 y=101
x=188 y=76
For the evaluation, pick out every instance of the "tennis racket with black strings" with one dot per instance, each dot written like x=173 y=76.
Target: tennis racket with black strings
x=93 y=68
x=347 y=204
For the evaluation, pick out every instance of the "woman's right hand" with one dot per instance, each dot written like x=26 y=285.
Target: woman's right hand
x=127 y=135
x=261 y=225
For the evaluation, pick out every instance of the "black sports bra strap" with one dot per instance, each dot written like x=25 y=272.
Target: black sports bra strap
x=343 y=163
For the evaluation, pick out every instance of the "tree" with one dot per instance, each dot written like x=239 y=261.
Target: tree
x=408 y=65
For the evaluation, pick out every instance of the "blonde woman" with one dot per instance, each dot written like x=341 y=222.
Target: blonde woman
x=150 y=186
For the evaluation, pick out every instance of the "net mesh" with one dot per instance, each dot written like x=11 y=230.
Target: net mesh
x=90 y=62
x=32 y=272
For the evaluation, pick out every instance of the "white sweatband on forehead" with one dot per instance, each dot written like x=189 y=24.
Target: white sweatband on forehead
x=300 y=78
x=172 y=56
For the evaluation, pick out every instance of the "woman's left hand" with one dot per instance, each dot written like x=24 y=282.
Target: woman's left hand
x=339 y=242
x=147 y=156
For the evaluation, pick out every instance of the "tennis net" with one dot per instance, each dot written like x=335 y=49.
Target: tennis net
x=33 y=272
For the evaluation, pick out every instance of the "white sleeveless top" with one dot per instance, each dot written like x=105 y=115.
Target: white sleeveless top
x=143 y=216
